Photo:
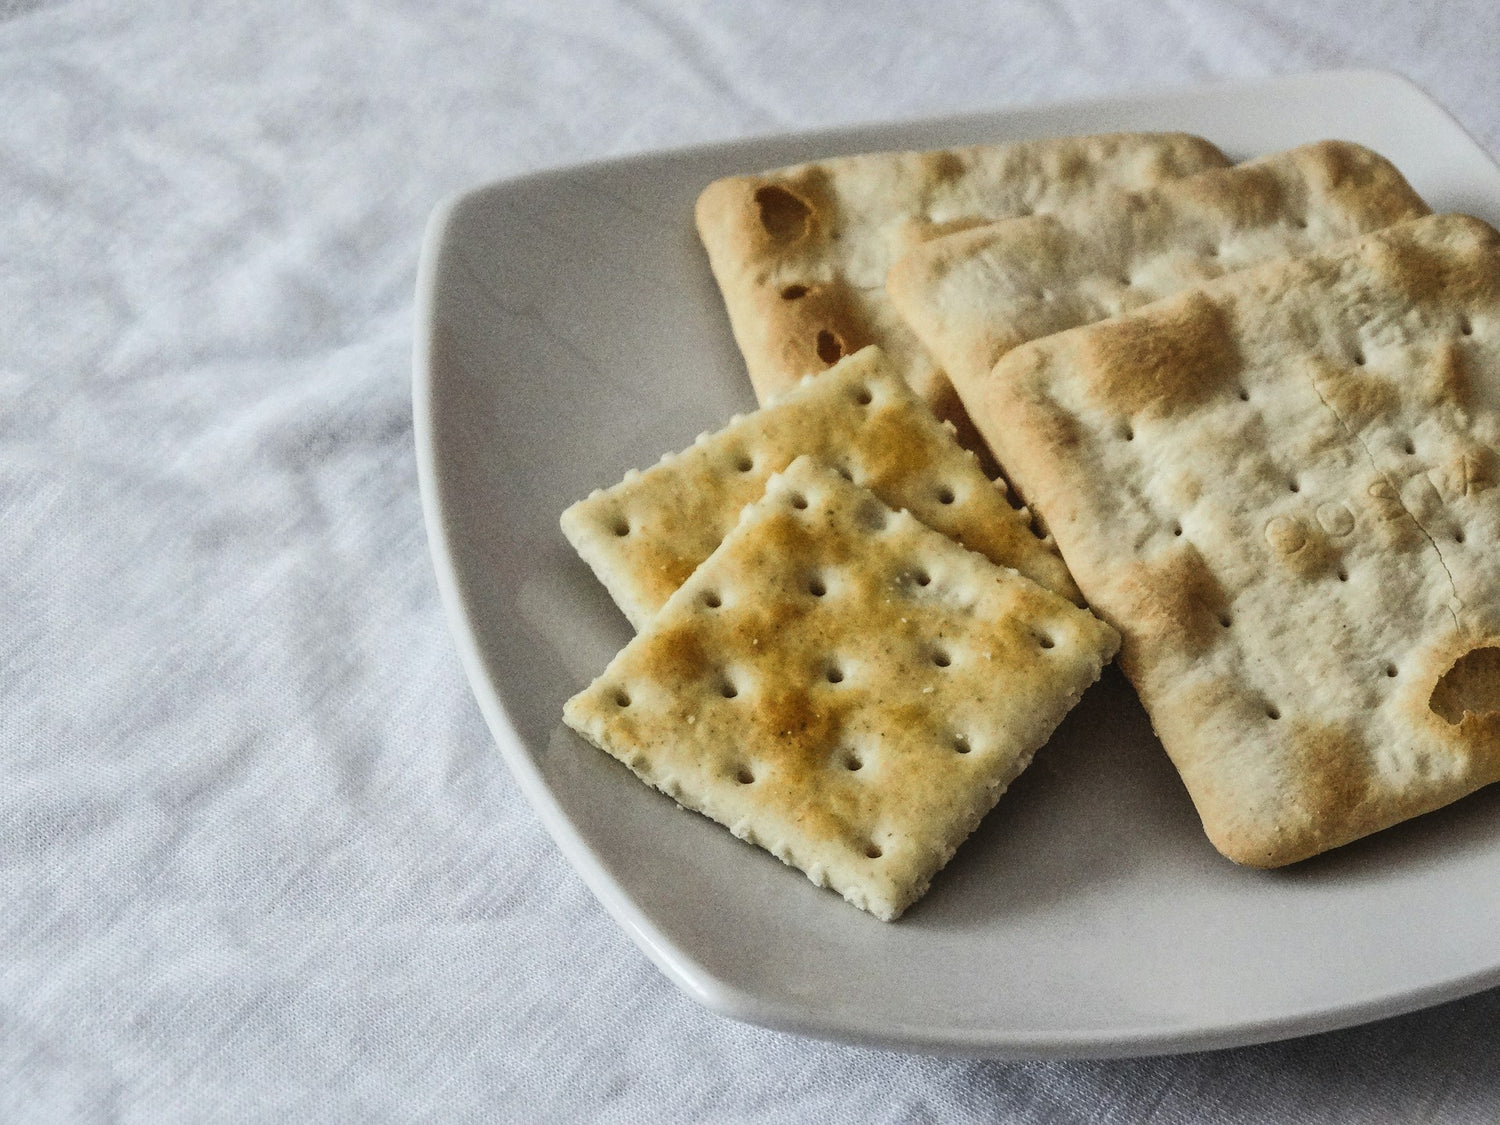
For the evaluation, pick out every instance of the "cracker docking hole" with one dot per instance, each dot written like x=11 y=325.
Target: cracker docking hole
x=1470 y=686
x=830 y=347
x=783 y=214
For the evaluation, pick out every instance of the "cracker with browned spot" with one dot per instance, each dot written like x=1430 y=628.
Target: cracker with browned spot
x=971 y=297
x=645 y=535
x=844 y=687
x=1294 y=527
x=801 y=253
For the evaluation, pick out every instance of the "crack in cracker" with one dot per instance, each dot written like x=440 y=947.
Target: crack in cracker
x=1370 y=457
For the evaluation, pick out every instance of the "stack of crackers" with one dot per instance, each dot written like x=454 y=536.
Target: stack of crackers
x=1246 y=419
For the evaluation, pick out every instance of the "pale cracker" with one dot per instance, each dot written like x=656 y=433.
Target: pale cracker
x=1281 y=489
x=801 y=253
x=844 y=687
x=644 y=536
x=971 y=297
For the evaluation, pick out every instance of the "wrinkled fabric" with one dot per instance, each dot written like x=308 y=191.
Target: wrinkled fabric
x=261 y=860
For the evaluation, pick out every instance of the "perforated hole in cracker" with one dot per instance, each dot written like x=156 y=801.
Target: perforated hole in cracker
x=1471 y=686
x=784 y=215
x=830 y=347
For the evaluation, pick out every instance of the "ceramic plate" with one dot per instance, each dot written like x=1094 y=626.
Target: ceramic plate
x=568 y=330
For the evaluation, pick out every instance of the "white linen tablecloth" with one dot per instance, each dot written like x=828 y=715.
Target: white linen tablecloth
x=261 y=860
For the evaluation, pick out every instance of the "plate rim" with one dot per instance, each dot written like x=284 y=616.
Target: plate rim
x=678 y=964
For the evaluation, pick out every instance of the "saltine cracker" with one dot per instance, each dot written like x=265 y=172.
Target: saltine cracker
x=844 y=687
x=646 y=534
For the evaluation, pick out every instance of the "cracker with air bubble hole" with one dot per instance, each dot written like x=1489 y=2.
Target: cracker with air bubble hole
x=844 y=687
x=1281 y=488
x=801 y=253
x=645 y=535
x=972 y=296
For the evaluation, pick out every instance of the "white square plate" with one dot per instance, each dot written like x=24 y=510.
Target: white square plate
x=568 y=329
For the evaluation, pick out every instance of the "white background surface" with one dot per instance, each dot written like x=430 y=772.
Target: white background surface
x=260 y=858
